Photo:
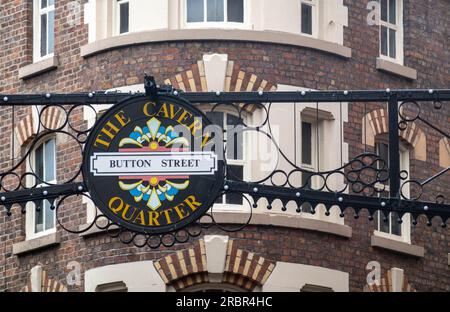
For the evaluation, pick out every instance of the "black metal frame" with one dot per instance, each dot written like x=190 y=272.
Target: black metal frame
x=394 y=203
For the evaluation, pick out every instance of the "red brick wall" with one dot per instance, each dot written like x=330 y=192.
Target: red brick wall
x=426 y=50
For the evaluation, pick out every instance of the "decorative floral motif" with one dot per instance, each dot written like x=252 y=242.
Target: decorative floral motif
x=155 y=189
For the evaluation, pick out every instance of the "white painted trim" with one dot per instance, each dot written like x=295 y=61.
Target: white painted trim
x=137 y=276
x=292 y=277
x=399 y=36
x=37 y=30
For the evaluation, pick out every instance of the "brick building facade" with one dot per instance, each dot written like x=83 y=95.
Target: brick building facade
x=333 y=48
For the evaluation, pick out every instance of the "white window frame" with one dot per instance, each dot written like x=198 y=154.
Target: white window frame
x=205 y=24
x=37 y=30
x=406 y=224
x=398 y=27
x=237 y=162
x=314 y=4
x=116 y=12
x=31 y=208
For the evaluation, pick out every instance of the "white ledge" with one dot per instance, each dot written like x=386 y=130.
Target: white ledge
x=285 y=220
x=396 y=69
x=214 y=34
x=280 y=220
x=37 y=68
x=34 y=244
x=397 y=246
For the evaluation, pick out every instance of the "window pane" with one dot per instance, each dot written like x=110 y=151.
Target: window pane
x=306 y=143
x=39 y=218
x=39 y=162
x=43 y=4
x=195 y=11
x=392 y=12
x=51 y=2
x=235 y=172
x=234 y=137
x=384 y=41
x=396 y=228
x=51 y=31
x=236 y=11
x=384 y=226
x=49 y=152
x=306 y=19
x=43 y=34
x=382 y=150
x=49 y=216
x=215 y=10
x=124 y=17
x=384 y=10
x=392 y=43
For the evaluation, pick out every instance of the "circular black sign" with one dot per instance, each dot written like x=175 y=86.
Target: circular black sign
x=149 y=166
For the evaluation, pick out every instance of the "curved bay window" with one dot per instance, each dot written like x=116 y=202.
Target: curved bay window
x=212 y=12
x=43 y=162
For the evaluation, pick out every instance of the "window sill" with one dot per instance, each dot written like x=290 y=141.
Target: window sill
x=38 y=68
x=396 y=69
x=285 y=220
x=35 y=244
x=214 y=34
x=397 y=246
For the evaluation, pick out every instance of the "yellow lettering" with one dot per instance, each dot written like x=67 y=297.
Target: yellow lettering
x=153 y=218
x=146 y=109
x=196 y=125
x=180 y=211
x=192 y=202
x=112 y=204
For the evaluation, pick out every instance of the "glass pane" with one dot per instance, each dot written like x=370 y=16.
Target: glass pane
x=43 y=4
x=216 y=118
x=236 y=11
x=392 y=12
x=384 y=226
x=124 y=17
x=215 y=10
x=384 y=10
x=39 y=219
x=384 y=41
x=49 y=216
x=195 y=11
x=392 y=43
x=43 y=34
x=51 y=31
x=306 y=143
x=396 y=228
x=382 y=150
x=306 y=19
x=39 y=162
x=49 y=152
x=235 y=144
x=235 y=172
x=51 y=2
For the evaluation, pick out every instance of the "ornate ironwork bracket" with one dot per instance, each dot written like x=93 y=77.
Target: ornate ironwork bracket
x=349 y=197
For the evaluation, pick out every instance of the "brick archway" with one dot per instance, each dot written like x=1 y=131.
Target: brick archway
x=236 y=79
x=39 y=281
x=190 y=267
x=375 y=123
x=28 y=126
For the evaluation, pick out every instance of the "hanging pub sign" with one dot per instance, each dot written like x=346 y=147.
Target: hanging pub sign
x=149 y=167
